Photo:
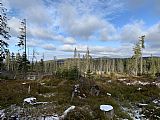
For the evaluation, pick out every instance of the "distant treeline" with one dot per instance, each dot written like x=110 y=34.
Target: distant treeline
x=151 y=65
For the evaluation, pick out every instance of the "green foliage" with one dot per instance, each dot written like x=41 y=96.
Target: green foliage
x=89 y=74
x=4 y=34
x=23 y=63
x=113 y=75
x=41 y=66
x=152 y=112
x=73 y=73
x=13 y=92
x=70 y=74
x=22 y=36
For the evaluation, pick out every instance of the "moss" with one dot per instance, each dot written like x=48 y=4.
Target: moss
x=13 y=92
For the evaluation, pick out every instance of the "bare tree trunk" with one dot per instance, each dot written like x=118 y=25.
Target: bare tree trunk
x=101 y=62
x=136 y=67
x=141 y=66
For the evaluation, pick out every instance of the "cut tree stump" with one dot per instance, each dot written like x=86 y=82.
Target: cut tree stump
x=108 y=111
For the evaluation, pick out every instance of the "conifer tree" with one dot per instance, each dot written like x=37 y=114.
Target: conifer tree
x=4 y=33
x=18 y=62
x=22 y=44
x=12 y=62
x=8 y=60
x=141 y=40
x=152 y=66
x=42 y=66
x=136 y=56
x=88 y=58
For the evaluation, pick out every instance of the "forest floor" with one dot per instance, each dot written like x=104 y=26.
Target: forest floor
x=131 y=98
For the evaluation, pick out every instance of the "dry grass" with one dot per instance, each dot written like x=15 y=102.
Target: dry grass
x=13 y=92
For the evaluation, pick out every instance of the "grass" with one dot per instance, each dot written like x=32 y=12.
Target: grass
x=13 y=92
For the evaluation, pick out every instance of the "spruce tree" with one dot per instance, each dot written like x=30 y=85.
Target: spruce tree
x=8 y=60
x=42 y=66
x=152 y=67
x=12 y=62
x=4 y=33
x=22 y=44
x=141 y=40
x=136 y=56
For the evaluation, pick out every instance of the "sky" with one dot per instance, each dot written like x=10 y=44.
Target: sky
x=109 y=28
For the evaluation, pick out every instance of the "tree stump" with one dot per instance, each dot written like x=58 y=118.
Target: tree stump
x=108 y=111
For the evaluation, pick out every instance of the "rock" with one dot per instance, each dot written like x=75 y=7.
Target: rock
x=139 y=89
x=157 y=102
x=122 y=79
x=158 y=78
x=81 y=113
x=109 y=94
x=31 y=100
x=109 y=81
x=2 y=114
x=67 y=111
x=142 y=104
x=158 y=75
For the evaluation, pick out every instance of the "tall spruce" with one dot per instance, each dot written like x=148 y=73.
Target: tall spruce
x=22 y=44
x=88 y=58
x=4 y=33
x=141 y=40
x=136 y=56
x=152 y=66
x=8 y=61
x=13 y=61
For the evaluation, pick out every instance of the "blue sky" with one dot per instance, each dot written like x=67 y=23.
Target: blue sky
x=108 y=27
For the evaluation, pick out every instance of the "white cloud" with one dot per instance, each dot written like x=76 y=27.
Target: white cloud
x=153 y=33
x=70 y=48
x=102 y=8
x=131 y=32
x=74 y=25
x=50 y=47
x=40 y=32
x=33 y=43
x=65 y=40
x=100 y=50
x=33 y=10
x=40 y=21
x=69 y=40
x=74 y=18
x=48 y=35
x=14 y=24
x=138 y=5
x=80 y=20
x=109 y=32
x=86 y=25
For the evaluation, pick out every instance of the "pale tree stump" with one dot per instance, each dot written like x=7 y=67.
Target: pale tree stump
x=108 y=111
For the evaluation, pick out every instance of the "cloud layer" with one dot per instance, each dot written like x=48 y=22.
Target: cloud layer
x=63 y=25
